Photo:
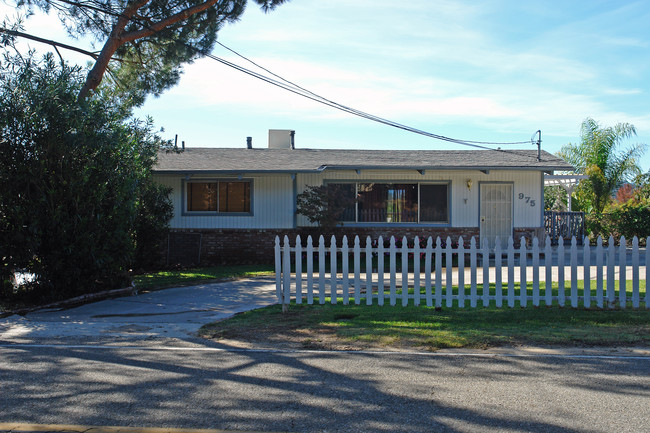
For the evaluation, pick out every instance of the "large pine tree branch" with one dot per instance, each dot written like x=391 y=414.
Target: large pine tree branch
x=118 y=37
x=110 y=47
x=161 y=25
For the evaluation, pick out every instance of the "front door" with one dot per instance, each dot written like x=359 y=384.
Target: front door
x=496 y=213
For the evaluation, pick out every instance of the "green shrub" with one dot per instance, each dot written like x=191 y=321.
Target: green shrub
x=74 y=177
x=628 y=219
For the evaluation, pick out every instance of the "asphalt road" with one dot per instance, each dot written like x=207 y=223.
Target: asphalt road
x=135 y=361
x=207 y=385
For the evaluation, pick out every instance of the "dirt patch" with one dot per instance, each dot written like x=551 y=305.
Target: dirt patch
x=322 y=338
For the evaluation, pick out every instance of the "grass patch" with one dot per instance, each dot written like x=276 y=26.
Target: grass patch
x=331 y=326
x=184 y=277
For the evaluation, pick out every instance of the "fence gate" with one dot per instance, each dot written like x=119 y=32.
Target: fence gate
x=496 y=212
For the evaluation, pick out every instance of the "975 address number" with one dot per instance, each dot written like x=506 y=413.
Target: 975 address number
x=527 y=200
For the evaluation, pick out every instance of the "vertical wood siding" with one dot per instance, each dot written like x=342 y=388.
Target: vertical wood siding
x=273 y=196
x=272 y=205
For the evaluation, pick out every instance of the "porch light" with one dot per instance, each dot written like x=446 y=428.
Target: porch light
x=469 y=184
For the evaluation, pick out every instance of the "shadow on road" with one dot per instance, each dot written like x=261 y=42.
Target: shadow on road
x=313 y=391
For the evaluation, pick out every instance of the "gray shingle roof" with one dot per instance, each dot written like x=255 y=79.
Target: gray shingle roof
x=242 y=160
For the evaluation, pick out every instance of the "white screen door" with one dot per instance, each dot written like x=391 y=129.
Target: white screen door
x=496 y=213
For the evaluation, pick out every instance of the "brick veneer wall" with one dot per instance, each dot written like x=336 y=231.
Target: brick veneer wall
x=239 y=246
x=256 y=246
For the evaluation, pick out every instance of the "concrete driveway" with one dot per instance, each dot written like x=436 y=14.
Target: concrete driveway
x=174 y=313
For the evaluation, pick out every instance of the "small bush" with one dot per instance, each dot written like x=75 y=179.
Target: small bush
x=629 y=219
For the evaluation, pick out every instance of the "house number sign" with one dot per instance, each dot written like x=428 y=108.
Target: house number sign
x=527 y=200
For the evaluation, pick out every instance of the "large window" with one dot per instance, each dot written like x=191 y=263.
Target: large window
x=398 y=203
x=219 y=196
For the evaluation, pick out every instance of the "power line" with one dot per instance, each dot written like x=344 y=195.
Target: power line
x=301 y=91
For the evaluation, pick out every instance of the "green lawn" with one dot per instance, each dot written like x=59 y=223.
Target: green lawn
x=425 y=328
x=429 y=328
x=184 y=277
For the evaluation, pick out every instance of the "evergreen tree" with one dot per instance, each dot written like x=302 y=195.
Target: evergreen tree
x=75 y=181
x=145 y=42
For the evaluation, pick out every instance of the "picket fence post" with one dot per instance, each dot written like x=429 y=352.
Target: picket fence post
x=310 y=270
x=321 y=270
x=438 y=273
x=535 y=272
x=497 y=274
x=548 y=263
x=622 y=271
x=523 y=292
x=278 y=270
x=611 y=257
x=333 y=270
x=486 y=273
x=560 y=272
x=635 y=272
x=586 y=275
x=368 y=271
x=472 y=265
x=405 y=272
x=599 y=272
x=345 y=270
x=298 y=257
x=286 y=274
x=647 y=266
x=461 y=272
x=511 y=272
x=416 y=271
x=380 y=271
x=427 y=271
x=449 y=269
x=393 y=270
x=574 y=273
x=357 y=271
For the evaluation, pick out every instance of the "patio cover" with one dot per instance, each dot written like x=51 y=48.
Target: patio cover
x=566 y=181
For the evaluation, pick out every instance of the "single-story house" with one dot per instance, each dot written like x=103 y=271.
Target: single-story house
x=230 y=203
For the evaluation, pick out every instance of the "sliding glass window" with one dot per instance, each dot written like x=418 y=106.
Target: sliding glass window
x=380 y=202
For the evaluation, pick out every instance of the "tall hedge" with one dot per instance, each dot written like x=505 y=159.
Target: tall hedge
x=73 y=176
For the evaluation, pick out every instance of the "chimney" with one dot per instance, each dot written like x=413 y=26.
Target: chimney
x=249 y=142
x=281 y=139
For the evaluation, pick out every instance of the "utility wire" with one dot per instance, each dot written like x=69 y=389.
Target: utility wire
x=301 y=91
x=292 y=87
x=343 y=107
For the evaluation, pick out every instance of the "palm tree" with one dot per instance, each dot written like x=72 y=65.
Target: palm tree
x=598 y=156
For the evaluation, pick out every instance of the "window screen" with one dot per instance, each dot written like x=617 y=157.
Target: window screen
x=434 y=203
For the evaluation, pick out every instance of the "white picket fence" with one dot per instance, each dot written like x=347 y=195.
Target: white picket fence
x=604 y=281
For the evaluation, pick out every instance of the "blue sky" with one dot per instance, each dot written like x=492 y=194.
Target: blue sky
x=474 y=70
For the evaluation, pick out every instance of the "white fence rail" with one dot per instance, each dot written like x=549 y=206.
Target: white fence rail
x=586 y=276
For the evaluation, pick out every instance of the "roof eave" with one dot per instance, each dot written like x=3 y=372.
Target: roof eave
x=359 y=168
